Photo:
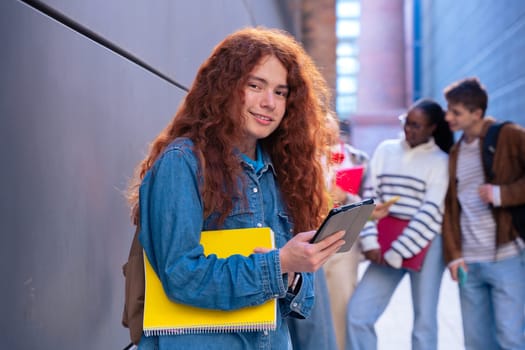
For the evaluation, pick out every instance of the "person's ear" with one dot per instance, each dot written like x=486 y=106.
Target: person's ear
x=478 y=112
x=433 y=129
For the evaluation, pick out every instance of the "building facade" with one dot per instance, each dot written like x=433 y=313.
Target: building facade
x=485 y=39
x=411 y=49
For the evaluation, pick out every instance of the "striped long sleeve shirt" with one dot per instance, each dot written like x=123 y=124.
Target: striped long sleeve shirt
x=478 y=227
x=419 y=176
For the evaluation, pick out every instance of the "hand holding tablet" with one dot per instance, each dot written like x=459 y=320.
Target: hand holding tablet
x=350 y=218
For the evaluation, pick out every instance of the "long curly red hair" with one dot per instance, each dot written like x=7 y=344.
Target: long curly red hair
x=210 y=117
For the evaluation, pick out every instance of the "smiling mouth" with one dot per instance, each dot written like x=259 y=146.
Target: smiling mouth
x=262 y=117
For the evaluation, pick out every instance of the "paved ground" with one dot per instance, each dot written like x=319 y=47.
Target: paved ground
x=395 y=325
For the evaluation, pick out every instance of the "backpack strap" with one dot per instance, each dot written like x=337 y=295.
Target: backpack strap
x=489 y=148
x=136 y=247
x=133 y=270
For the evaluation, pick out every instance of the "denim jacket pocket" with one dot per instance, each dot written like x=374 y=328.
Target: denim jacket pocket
x=240 y=216
x=286 y=225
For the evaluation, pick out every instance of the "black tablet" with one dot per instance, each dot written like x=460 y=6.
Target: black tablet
x=350 y=218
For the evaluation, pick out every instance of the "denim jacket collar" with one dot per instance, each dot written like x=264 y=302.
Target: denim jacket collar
x=266 y=160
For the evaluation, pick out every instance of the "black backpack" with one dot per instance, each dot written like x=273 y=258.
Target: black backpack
x=489 y=149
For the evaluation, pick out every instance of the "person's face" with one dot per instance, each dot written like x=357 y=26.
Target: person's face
x=417 y=127
x=459 y=117
x=265 y=97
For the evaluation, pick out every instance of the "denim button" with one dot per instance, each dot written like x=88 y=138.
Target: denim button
x=255 y=190
x=294 y=305
x=265 y=332
x=259 y=224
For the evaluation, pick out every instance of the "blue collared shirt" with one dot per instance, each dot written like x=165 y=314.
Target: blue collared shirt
x=171 y=219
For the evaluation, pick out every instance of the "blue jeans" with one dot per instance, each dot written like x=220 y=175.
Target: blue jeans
x=492 y=302
x=373 y=294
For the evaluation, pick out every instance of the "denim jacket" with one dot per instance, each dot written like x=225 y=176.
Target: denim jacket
x=171 y=219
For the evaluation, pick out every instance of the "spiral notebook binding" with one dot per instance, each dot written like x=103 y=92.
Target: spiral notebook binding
x=247 y=327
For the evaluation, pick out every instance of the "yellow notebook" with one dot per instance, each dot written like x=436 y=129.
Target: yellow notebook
x=163 y=316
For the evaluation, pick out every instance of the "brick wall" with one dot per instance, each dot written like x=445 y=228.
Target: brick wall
x=381 y=95
x=318 y=36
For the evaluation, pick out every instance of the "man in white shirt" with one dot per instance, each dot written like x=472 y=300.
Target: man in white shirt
x=480 y=241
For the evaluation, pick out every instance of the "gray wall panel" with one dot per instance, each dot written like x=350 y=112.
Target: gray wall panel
x=268 y=13
x=76 y=118
x=174 y=36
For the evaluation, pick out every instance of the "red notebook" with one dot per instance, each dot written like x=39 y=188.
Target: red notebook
x=389 y=228
x=349 y=179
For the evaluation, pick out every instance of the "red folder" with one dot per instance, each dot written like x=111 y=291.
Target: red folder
x=349 y=179
x=389 y=228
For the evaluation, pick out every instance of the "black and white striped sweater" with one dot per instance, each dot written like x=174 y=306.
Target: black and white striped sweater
x=420 y=177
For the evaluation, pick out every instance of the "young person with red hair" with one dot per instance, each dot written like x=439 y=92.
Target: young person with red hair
x=243 y=150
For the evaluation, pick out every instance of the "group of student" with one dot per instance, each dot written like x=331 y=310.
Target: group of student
x=454 y=217
x=247 y=148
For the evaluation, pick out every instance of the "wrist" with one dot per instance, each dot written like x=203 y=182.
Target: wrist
x=393 y=259
x=283 y=264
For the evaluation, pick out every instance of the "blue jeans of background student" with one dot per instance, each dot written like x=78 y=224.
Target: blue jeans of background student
x=373 y=294
x=317 y=331
x=492 y=302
